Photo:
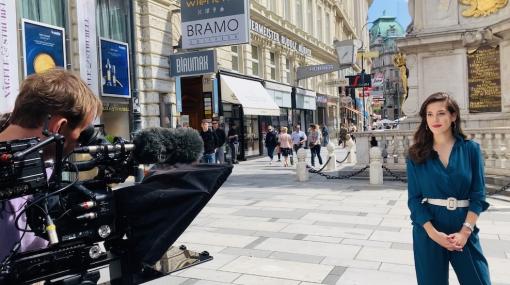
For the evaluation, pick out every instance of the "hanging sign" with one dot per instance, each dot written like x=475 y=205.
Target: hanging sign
x=213 y=23
x=9 y=79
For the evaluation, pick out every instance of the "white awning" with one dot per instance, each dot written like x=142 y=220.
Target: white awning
x=250 y=94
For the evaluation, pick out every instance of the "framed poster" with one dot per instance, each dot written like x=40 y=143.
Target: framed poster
x=43 y=47
x=114 y=59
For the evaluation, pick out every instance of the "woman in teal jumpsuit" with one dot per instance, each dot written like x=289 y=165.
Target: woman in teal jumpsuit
x=444 y=166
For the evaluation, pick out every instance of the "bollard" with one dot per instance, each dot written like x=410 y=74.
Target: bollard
x=301 y=171
x=331 y=156
x=351 y=148
x=376 y=171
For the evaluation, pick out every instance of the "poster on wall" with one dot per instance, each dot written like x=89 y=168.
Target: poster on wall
x=44 y=47
x=114 y=59
x=9 y=80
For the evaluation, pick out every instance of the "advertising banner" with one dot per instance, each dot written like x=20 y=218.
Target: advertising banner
x=214 y=23
x=87 y=43
x=192 y=63
x=44 y=47
x=115 y=81
x=9 y=80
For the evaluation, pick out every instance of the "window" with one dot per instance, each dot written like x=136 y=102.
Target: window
x=272 y=65
x=255 y=60
x=309 y=16
x=286 y=10
x=112 y=18
x=319 y=24
x=45 y=11
x=299 y=14
x=287 y=70
x=235 y=57
x=328 y=29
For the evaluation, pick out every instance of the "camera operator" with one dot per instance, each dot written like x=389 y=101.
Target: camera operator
x=61 y=102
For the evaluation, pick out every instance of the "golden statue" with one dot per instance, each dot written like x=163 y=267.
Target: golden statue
x=399 y=61
x=482 y=7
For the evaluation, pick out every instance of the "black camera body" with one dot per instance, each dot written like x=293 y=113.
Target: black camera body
x=89 y=225
x=20 y=177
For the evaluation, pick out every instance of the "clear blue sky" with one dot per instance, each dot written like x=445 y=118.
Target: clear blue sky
x=395 y=8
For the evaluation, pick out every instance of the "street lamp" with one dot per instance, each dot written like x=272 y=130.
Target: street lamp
x=363 y=74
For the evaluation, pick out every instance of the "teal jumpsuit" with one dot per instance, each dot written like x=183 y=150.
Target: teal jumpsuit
x=462 y=179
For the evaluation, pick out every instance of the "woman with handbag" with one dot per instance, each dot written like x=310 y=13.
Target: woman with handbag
x=285 y=145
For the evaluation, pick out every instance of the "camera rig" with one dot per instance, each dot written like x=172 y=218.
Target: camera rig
x=87 y=224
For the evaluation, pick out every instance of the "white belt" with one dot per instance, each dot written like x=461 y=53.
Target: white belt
x=450 y=203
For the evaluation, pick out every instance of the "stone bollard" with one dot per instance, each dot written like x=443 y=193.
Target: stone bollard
x=376 y=171
x=351 y=148
x=301 y=171
x=331 y=156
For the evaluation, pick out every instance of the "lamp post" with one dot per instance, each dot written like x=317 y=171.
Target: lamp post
x=362 y=50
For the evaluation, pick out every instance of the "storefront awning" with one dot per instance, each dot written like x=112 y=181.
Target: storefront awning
x=250 y=94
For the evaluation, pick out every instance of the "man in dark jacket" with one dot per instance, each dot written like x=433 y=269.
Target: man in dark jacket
x=210 y=142
x=271 y=142
x=222 y=138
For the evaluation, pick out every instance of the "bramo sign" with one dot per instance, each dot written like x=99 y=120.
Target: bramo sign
x=212 y=23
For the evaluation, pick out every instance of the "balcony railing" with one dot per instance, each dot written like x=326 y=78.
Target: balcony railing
x=494 y=142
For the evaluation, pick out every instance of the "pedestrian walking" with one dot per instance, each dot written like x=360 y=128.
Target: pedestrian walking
x=446 y=194
x=233 y=143
x=325 y=135
x=210 y=143
x=270 y=142
x=343 y=135
x=285 y=145
x=298 y=138
x=352 y=130
x=221 y=139
x=314 y=143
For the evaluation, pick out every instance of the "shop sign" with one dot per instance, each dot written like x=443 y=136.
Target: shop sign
x=115 y=81
x=9 y=80
x=280 y=39
x=340 y=82
x=213 y=23
x=484 y=80
x=193 y=63
x=44 y=47
x=321 y=99
x=315 y=70
x=115 y=107
x=87 y=43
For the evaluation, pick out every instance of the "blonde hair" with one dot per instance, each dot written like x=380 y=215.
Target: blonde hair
x=284 y=129
x=54 y=92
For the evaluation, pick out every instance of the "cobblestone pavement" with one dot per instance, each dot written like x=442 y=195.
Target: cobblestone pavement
x=263 y=227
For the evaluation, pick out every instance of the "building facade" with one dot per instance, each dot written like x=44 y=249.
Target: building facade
x=463 y=50
x=129 y=69
x=386 y=93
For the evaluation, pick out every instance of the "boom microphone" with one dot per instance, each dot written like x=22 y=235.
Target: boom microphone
x=170 y=146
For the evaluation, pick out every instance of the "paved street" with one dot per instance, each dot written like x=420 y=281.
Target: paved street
x=263 y=227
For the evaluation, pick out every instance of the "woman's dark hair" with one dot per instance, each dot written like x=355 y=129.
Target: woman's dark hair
x=423 y=138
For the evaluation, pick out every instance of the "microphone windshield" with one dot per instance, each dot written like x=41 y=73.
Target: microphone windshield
x=171 y=146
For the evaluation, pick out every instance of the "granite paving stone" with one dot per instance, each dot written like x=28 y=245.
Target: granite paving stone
x=264 y=227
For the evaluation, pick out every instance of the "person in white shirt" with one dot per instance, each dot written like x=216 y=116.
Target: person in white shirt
x=298 y=138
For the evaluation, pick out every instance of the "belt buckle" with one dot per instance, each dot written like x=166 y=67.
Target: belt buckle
x=451 y=203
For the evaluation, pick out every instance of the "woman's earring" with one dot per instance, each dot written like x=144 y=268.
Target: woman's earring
x=454 y=126
x=427 y=127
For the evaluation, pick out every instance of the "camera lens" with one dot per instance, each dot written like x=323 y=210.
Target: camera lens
x=104 y=231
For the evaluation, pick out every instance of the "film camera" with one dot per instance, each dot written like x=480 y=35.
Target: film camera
x=87 y=224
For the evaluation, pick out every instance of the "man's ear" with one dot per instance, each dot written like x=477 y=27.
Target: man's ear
x=56 y=124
